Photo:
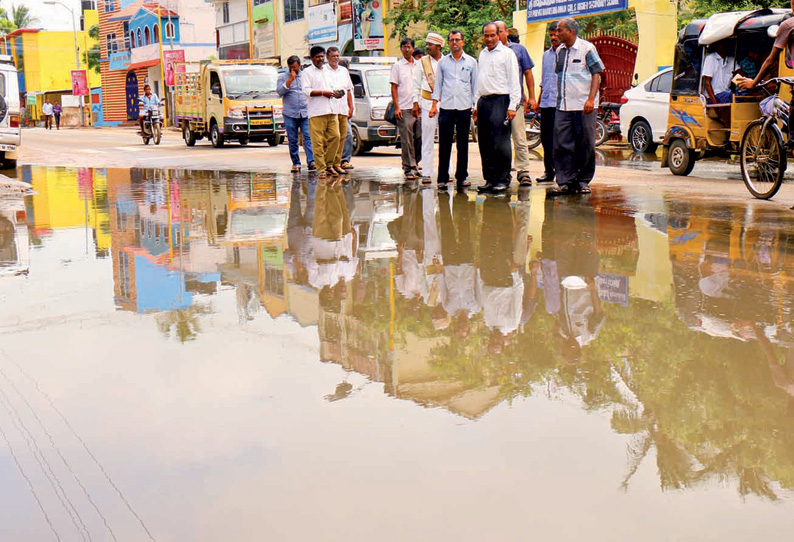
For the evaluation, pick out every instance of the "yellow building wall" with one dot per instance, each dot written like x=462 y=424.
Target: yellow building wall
x=59 y=204
x=54 y=57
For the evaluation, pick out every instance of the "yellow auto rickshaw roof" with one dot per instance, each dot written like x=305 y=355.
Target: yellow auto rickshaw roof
x=723 y=25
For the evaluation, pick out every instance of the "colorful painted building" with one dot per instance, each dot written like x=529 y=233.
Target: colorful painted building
x=133 y=37
x=45 y=60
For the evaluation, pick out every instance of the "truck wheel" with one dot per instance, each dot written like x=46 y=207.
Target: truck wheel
x=216 y=136
x=189 y=137
x=243 y=141
x=274 y=141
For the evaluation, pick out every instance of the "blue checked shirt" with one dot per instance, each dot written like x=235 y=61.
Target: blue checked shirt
x=293 y=99
x=456 y=82
x=575 y=70
x=548 y=82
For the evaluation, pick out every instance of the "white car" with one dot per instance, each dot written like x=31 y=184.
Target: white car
x=643 y=115
x=10 y=135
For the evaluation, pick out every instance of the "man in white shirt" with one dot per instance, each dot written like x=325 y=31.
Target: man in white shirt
x=717 y=73
x=46 y=110
x=497 y=98
x=339 y=78
x=406 y=107
x=323 y=122
x=423 y=88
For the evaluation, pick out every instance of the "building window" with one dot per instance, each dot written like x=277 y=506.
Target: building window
x=225 y=12
x=293 y=10
x=110 y=5
x=147 y=36
x=140 y=41
x=111 y=44
x=156 y=34
x=126 y=26
x=170 y=31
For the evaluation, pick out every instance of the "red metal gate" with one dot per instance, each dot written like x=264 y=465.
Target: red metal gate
x=618 y=56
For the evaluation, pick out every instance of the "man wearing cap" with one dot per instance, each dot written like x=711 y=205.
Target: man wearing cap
x=423 y=88
x=518 y=127
x=498 y=97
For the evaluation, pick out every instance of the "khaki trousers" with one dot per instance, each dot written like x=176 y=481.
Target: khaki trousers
x=324 y=132
x=342 y=136
x=518 y=128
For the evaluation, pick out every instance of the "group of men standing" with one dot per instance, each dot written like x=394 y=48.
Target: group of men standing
x=449 y=92
x=318 y=103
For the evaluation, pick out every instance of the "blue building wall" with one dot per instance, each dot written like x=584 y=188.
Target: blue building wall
x=143 y=20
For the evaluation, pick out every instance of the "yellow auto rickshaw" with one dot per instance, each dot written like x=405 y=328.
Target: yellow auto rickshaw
x=697 y=128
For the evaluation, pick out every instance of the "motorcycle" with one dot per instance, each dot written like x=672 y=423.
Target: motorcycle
x=532 y=121
x=607 y=122
x=153 y=125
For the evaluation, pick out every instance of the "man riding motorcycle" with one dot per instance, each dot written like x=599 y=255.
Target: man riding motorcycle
x=145 y=104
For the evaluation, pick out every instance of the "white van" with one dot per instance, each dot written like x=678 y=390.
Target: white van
x=10 y=134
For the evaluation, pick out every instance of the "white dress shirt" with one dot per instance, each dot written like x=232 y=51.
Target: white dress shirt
x=720 y=70
x=314 y=79
x=403 y=74
x=501 y=306
x=498 y=74
x=339 y=79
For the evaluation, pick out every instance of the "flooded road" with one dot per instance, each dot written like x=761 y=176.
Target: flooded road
x=204 y=356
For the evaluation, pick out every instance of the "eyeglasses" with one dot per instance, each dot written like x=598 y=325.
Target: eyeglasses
x=455 y=39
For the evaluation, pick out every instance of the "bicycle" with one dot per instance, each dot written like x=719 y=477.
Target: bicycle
x=762 y=154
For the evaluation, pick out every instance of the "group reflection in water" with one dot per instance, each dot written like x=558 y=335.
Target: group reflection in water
x=674 y=319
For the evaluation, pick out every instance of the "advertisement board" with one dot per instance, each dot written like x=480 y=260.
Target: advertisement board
x=264 y=29
x=79 y=83
x=322 y=23
x=551 y=10
x=170 y=58
x=368 y=34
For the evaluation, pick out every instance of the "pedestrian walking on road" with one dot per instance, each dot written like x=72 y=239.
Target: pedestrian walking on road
x=296 y=113
x=547 y=106
x=347 y=146
x=406 y=107
x=56 y=112
x=497 y=99
x=424 y=86
x=323 y=122
x=519 y=127
x=339 y=78
x=456 y=83
x=578 y=78
x=46 y=110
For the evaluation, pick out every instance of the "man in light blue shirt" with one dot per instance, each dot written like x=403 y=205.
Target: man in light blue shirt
x=547 y=106
x=145 y=103
x=456 y=84
x=296 y=114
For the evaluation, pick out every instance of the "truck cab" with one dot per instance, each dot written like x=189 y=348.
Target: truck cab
x=10 y=133
x=229 y=100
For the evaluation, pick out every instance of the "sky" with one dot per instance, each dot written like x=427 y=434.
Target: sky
x=49 y=17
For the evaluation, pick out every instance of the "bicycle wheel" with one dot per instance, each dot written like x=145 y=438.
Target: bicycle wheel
x=762 y=159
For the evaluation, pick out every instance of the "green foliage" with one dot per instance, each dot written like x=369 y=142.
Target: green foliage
x=445 y=15
x=93 y=52
x=21 y=16
x=695 y=9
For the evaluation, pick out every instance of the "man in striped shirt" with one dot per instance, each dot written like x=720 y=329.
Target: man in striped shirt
x=579 y=78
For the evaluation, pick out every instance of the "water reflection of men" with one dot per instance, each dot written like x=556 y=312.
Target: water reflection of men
x=460 y=301
x=334 y=247
x=299 y=231
x=570 y=264
x=499 y=285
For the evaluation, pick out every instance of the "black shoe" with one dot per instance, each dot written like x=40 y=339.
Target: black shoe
x=545 y=179
x=485 y=188
x=560 y=191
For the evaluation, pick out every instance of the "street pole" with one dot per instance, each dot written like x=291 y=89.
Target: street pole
x=161 y=34
x=76 y=49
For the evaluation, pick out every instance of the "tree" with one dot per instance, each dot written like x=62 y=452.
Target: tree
x=93 y=52
x=21 y=16
x=695 y=9
x=6 y=24
x=445 y=15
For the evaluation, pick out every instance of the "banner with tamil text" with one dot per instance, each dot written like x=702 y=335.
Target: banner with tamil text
x=552 y=10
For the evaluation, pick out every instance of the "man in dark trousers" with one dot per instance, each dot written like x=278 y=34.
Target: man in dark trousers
x=498 y=96
x=547 y=105
x=578 y=78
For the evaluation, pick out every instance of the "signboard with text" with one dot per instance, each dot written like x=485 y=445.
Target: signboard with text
x=552 y=10
x=322 y=23
x=119 y=61
x=368 y=32
x=170 y=58
x=79 y=83
x=264 y=28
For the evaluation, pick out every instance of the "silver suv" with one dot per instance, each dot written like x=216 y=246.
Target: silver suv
x=372 y=93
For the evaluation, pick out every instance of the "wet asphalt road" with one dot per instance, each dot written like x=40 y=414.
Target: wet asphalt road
x=209 y=355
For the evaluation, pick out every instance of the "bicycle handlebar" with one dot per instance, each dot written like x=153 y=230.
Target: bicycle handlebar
x=785 y=80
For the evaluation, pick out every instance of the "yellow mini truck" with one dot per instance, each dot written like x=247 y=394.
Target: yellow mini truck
x=696 y=128
x=227 y=100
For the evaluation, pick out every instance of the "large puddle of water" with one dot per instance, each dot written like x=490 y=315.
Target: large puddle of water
x=197 y=355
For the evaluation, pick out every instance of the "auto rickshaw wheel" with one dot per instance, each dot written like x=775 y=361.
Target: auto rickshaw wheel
x=680 y=159
x=762 y=158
